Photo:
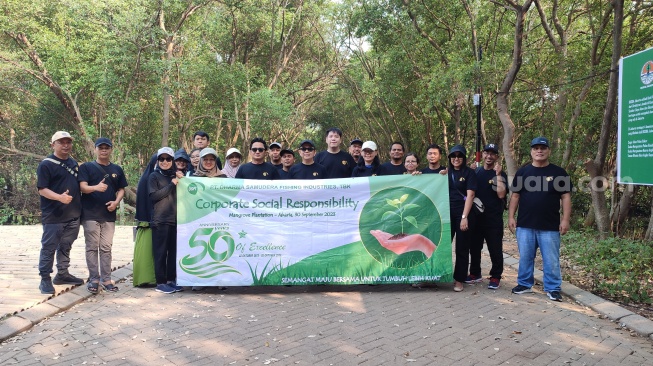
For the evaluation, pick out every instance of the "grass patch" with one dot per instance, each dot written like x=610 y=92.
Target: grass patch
x=617 y=268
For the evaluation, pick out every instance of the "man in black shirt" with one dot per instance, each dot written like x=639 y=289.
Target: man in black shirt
x=258 y=168
x=308 y=168
x=201 y=140
x=275 y=155
x=491 y=190
x=396 y=164
x=56 y=180
x=433 y=156
x=103 y=186
x=287 y=161
x=338 y=164
x=539 y=189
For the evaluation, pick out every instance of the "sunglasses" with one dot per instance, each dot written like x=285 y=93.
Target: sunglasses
x=457 y=156
x=257 y=149
x=162 y=159
x=306 y=148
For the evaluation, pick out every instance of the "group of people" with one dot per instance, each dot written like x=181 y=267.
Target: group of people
x=538 y=192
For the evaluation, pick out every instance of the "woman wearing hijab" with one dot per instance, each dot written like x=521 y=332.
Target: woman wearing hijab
x=143 y=262
x=462 y=188
x=163 y=193
x=208 y=166
x=234 y=158
x=182 y=163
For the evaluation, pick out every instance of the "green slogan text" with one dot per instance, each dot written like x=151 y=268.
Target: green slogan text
x=332 y=203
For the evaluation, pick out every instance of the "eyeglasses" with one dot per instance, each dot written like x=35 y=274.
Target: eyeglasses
x=411 y=162
x=306 y=148
x=457 y=156
x=162 y=159
x=257 y=149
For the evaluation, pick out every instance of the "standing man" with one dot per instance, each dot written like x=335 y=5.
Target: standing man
x=396 y=164
x=433 y=156
x=287 y=160
x=307 y=168
x=56 y=180
x=355 y=148
x=338 y=164
x=103 y=186
x=201 y=140
x=539 y=189
x=258 y=168
x=275 y=155
x=491 y=189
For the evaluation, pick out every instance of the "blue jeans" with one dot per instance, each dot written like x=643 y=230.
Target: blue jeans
x=528 y=240
x=56 y=241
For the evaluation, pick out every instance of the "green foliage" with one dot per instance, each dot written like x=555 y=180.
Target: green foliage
x=617 y=268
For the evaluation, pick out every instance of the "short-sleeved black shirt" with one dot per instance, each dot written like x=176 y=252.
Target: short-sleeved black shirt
x=428 y=170
x=94 y=204
x=459 y=182
x=339 y=165
x=284 y=174
x=59 y=176
x=265 y=171
x=487 y=192
x=302 y=171
x=388 y=168
x=540 y=190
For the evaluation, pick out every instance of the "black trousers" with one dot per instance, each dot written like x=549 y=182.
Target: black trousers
x=464 y=240
x=164 y=251
x=490 y=230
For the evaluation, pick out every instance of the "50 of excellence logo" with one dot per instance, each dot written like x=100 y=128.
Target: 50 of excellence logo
x=216 y=246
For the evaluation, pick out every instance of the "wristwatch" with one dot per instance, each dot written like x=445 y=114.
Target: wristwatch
x=463 y=216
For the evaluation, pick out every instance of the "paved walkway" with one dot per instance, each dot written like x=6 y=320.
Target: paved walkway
x=322 y=325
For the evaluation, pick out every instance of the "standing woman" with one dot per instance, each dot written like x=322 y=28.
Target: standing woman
x=143 y=260
x=462 y=188
x=162 y=186
x=411 y=163
x=234 y=158
x=368 y=163
x=208 y=166
x=194 y=161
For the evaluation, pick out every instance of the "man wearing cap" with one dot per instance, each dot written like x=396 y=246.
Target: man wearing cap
x=355 y=147
x=102 y=184
x=338 y=164
x=307 y=168
x=396 y=164
x=234 y=158
x=539 y=189
x=275 y=155
x=369 y=163
x=491 y=190
x=56 y=180
x=258 y=168
x=201 y=140
x=287 y=160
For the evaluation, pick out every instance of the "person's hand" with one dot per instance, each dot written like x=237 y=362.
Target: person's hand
x=406 y=244
x=417 y=172
x=101 y=187
x=464 y=224
x=512 y=224
x=473 y=165
x=564 y=227
x=179 y=174
x=497 y=169
x=65 y=198
x=175 y=181
x=444 y=171
x=112 y=205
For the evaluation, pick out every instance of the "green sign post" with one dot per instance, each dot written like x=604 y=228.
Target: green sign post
x=635 y=146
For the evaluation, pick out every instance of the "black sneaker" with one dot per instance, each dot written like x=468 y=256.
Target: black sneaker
x=174 y=286
x=46 y=286
x=494 y=283
x=473 y=279
x=519 y=289
x=555 y=295
x=66 y=279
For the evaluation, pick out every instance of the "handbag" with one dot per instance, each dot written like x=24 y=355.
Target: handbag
x=478 y=207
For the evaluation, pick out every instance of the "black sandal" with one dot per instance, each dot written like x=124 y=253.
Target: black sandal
x=110 y=287
x=93 y=287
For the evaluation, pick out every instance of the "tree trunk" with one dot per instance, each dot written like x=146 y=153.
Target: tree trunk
x=503 y=105
x=595 y=167
x=649 y=231
x=620 y=210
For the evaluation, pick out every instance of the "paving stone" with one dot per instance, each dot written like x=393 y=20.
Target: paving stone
x=588 y=299
x=638 y=323
x=66 y=301
x=12 y=326
x=611 y=310
x=39 y=312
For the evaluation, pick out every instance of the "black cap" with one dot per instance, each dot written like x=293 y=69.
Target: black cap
x=103 y=141
x=491 y=147
x=286 y=151
x=458 y=148
x=356 y=140
x=540 y=141
x=306 y=142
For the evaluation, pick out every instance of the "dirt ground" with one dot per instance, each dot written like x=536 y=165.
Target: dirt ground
x=574 y=277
